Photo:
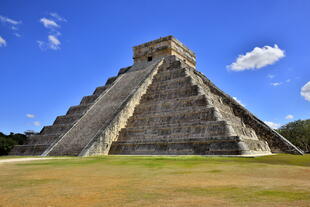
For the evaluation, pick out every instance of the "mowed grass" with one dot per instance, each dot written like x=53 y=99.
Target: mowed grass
x=107 y=181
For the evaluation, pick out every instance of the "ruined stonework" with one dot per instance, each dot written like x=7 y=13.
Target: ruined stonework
x=161 y=105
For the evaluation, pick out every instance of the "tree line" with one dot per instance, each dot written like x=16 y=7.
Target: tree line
x=7 y=142
x=297 y=132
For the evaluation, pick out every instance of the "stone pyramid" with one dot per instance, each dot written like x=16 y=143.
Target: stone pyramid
x=161 y=105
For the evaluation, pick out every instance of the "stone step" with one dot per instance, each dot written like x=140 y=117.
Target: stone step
x=189 y=146
x=175 y=111
x=73 y=151
x=111 y=80
x=169 y=137
x=42 y=139
x=79 y=109
x=172 y=117
x=217 y=102
x=167 y=70
x=171 y=84
x=170 y=74
x=123 y=70
x=177 y=139
x=55 y=129
x=204 y=129
x=67 y=119
x=23 y=150
x=173 y=65
x=171 y=104
x=173 y=128
x=177 y=125
x=100 y=89
x=240 y=128
x=89 y=99
x=244 y=132
x=170 y=94
x=231 y=117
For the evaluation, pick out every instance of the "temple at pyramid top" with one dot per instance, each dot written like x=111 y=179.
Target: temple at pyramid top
x=161 y=105
x=163 y=47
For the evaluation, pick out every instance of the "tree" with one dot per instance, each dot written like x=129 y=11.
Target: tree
x=297 y=132
x=7 y=142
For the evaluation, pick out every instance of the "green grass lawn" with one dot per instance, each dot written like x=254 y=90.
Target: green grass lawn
x=12 y=157
x=107 y=181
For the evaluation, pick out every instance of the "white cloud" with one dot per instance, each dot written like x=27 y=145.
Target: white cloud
x=17 y=34
x=52 y=43
x=30 y=116
x=48 y=23
x=53 y=40
x=270 y=76
x=272 y=125
x=305 y=91
x=53 y=27
x=2 y=42
x=8 y=20
x=280 y=83
x=11 y=24
x=257 y=58
x=36 y=123
x=57 y=17
x=289 y=116
x=238 y=101
x=276 y=84
x=41 y=44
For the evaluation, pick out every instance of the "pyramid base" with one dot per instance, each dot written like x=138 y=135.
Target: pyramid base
x=191 y=146
x=26 y=150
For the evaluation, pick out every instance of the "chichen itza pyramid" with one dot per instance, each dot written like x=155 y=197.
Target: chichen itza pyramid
x=161 y=105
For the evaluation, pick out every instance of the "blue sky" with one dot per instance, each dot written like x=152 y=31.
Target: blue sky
x=52 y=53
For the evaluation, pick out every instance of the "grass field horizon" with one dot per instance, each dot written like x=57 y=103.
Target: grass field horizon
x=278 y=180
